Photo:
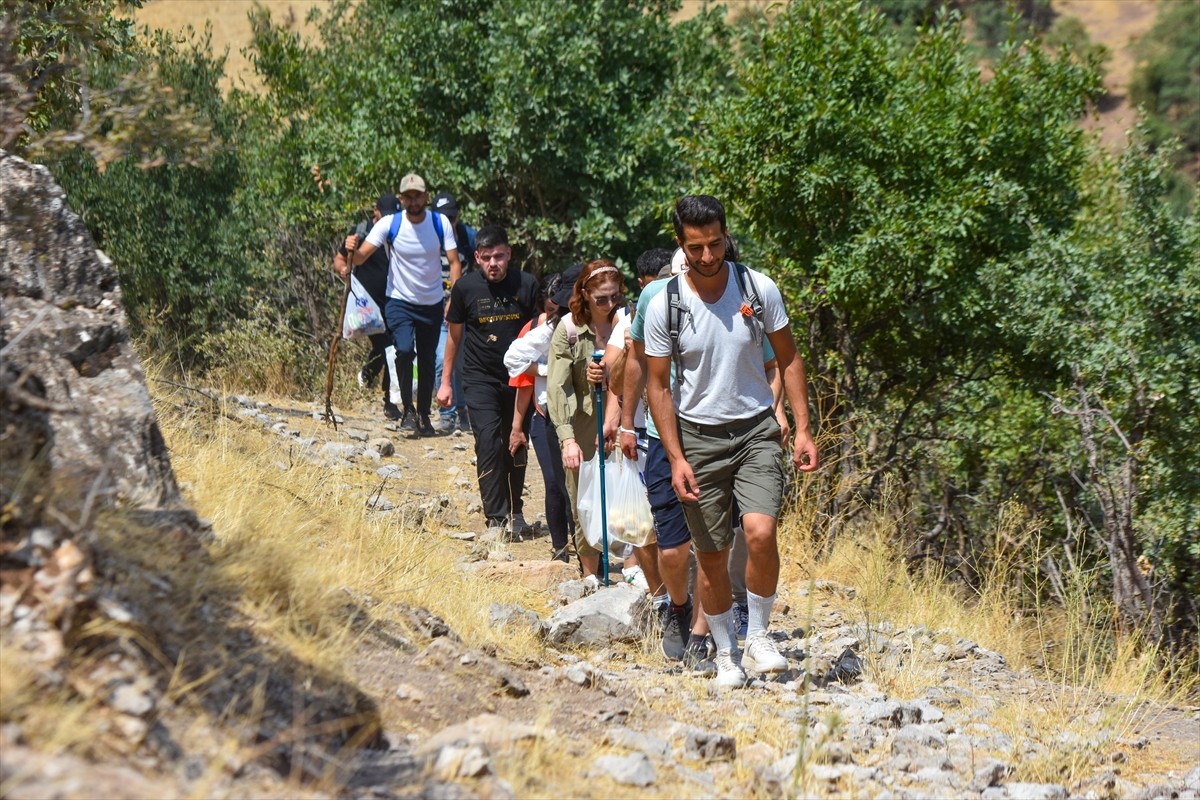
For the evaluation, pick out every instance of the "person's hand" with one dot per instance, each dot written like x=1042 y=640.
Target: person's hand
x=595 y=373
x=683 y=481
x=351 y=243
x=445 y=395
x=341 y=266
x=610 y=436
x=628 y=442
x=572 y=456
x=804 y=455
x=516 y=441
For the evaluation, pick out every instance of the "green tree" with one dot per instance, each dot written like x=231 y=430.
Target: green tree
x=1166 y=84
x=1114 y=302
x=877 y=183
x=560 y=120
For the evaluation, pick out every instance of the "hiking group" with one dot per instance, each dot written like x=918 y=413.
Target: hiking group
x=690 y=381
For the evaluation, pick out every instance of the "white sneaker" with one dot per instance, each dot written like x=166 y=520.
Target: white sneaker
x=762 y=655
x=729 y=670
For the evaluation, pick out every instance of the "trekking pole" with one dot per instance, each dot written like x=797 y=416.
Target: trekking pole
x=337 y=337
x=596 y=356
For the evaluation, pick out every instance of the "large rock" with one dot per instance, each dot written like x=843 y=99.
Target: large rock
x=613 y=614
x=79 y=430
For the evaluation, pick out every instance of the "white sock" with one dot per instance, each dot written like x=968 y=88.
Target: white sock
x=721 y=628
x=760 y=613
x=661 y=600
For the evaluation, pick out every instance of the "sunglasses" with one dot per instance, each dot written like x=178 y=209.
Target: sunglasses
x=607 y=300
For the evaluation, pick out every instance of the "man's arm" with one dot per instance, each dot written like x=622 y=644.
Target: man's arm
x=455 y=266
x=341 y=266
x=795 y=386
x=445 y=395
x=662 y=408
x=517 y=439
x=361 y=250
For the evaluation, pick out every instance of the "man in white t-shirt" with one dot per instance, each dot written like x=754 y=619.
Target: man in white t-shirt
x=717 y=424
x=415 y=306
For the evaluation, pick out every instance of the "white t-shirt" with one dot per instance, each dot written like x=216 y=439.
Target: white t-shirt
x=617 y=339
x=722 y=379
x=414 y=257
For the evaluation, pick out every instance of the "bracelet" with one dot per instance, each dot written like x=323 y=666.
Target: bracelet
x=632 y=433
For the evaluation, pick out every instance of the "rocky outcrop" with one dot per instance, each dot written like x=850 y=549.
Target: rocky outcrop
x=108 y=594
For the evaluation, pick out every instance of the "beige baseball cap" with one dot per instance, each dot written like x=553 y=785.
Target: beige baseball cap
x=678 y=262
x=412 y=182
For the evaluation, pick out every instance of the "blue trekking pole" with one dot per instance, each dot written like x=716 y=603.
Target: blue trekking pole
x=596 y=356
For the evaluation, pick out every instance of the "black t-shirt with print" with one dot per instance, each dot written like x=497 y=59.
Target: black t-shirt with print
x=492 y=314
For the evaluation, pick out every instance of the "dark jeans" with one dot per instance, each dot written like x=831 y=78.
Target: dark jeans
x=558 y=503
x=415 y=330
x=377 y=361
x=501 y=480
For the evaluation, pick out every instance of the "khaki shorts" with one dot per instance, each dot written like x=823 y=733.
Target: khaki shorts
x=739 y=460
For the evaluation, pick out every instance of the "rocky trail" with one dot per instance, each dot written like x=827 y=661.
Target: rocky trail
x=834 y=724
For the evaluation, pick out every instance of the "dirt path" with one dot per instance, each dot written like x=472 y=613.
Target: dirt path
x=866 y=708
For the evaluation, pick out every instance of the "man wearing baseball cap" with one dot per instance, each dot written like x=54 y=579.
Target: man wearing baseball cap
x=373 y=275
x=414 y=309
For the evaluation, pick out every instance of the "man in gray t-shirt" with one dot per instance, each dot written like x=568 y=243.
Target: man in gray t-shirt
x=718 y=427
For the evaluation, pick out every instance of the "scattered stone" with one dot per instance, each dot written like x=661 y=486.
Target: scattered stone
x=635 y=740
x=501 y=616
x=710 y=746
x=1035 y=791
x=846 y=667
x=462 y=761
x=407 y=691
x=614 y=614
x=462 y=536
x=631 y=770
x=355 y=434
x=383 y=446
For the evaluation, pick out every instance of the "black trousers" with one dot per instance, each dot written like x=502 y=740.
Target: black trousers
x=501 y=478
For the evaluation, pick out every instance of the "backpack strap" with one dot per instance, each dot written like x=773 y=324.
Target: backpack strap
x=572 y=331
x=437 y=227
x=674 y=321
x=750 y=297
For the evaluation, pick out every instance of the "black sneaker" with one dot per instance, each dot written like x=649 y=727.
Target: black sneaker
x=425 y=428
x=391 y=411
x=741 y=619
x=698 y=656
x=677 y=627
x=408 y=421
x=561 y=555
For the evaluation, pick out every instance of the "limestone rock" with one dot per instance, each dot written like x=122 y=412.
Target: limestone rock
x=613 y=614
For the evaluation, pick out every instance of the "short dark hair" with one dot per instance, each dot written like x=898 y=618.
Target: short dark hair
x=651 y=262
x=491 y=236
x=698 y=210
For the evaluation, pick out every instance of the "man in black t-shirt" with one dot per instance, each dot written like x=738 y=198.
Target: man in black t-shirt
x=373 y=275
x=487 y=310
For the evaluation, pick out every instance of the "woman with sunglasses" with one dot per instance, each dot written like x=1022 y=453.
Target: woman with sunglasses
x=598 y=295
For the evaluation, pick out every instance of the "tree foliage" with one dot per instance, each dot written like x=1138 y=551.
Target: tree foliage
x=559 y=120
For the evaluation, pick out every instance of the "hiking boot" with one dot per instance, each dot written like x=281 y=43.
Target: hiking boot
x=408 y=420
x=464 y=424
x=762 y=655
x=518 y=527
x=741 y=618
x=391 y=411
x=729 y=669
x=446 y=424
x=425 y=428
x=561 y=555
x=676 y=629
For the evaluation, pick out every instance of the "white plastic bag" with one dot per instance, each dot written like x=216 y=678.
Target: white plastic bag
x=362 y=317
x=629 y=518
